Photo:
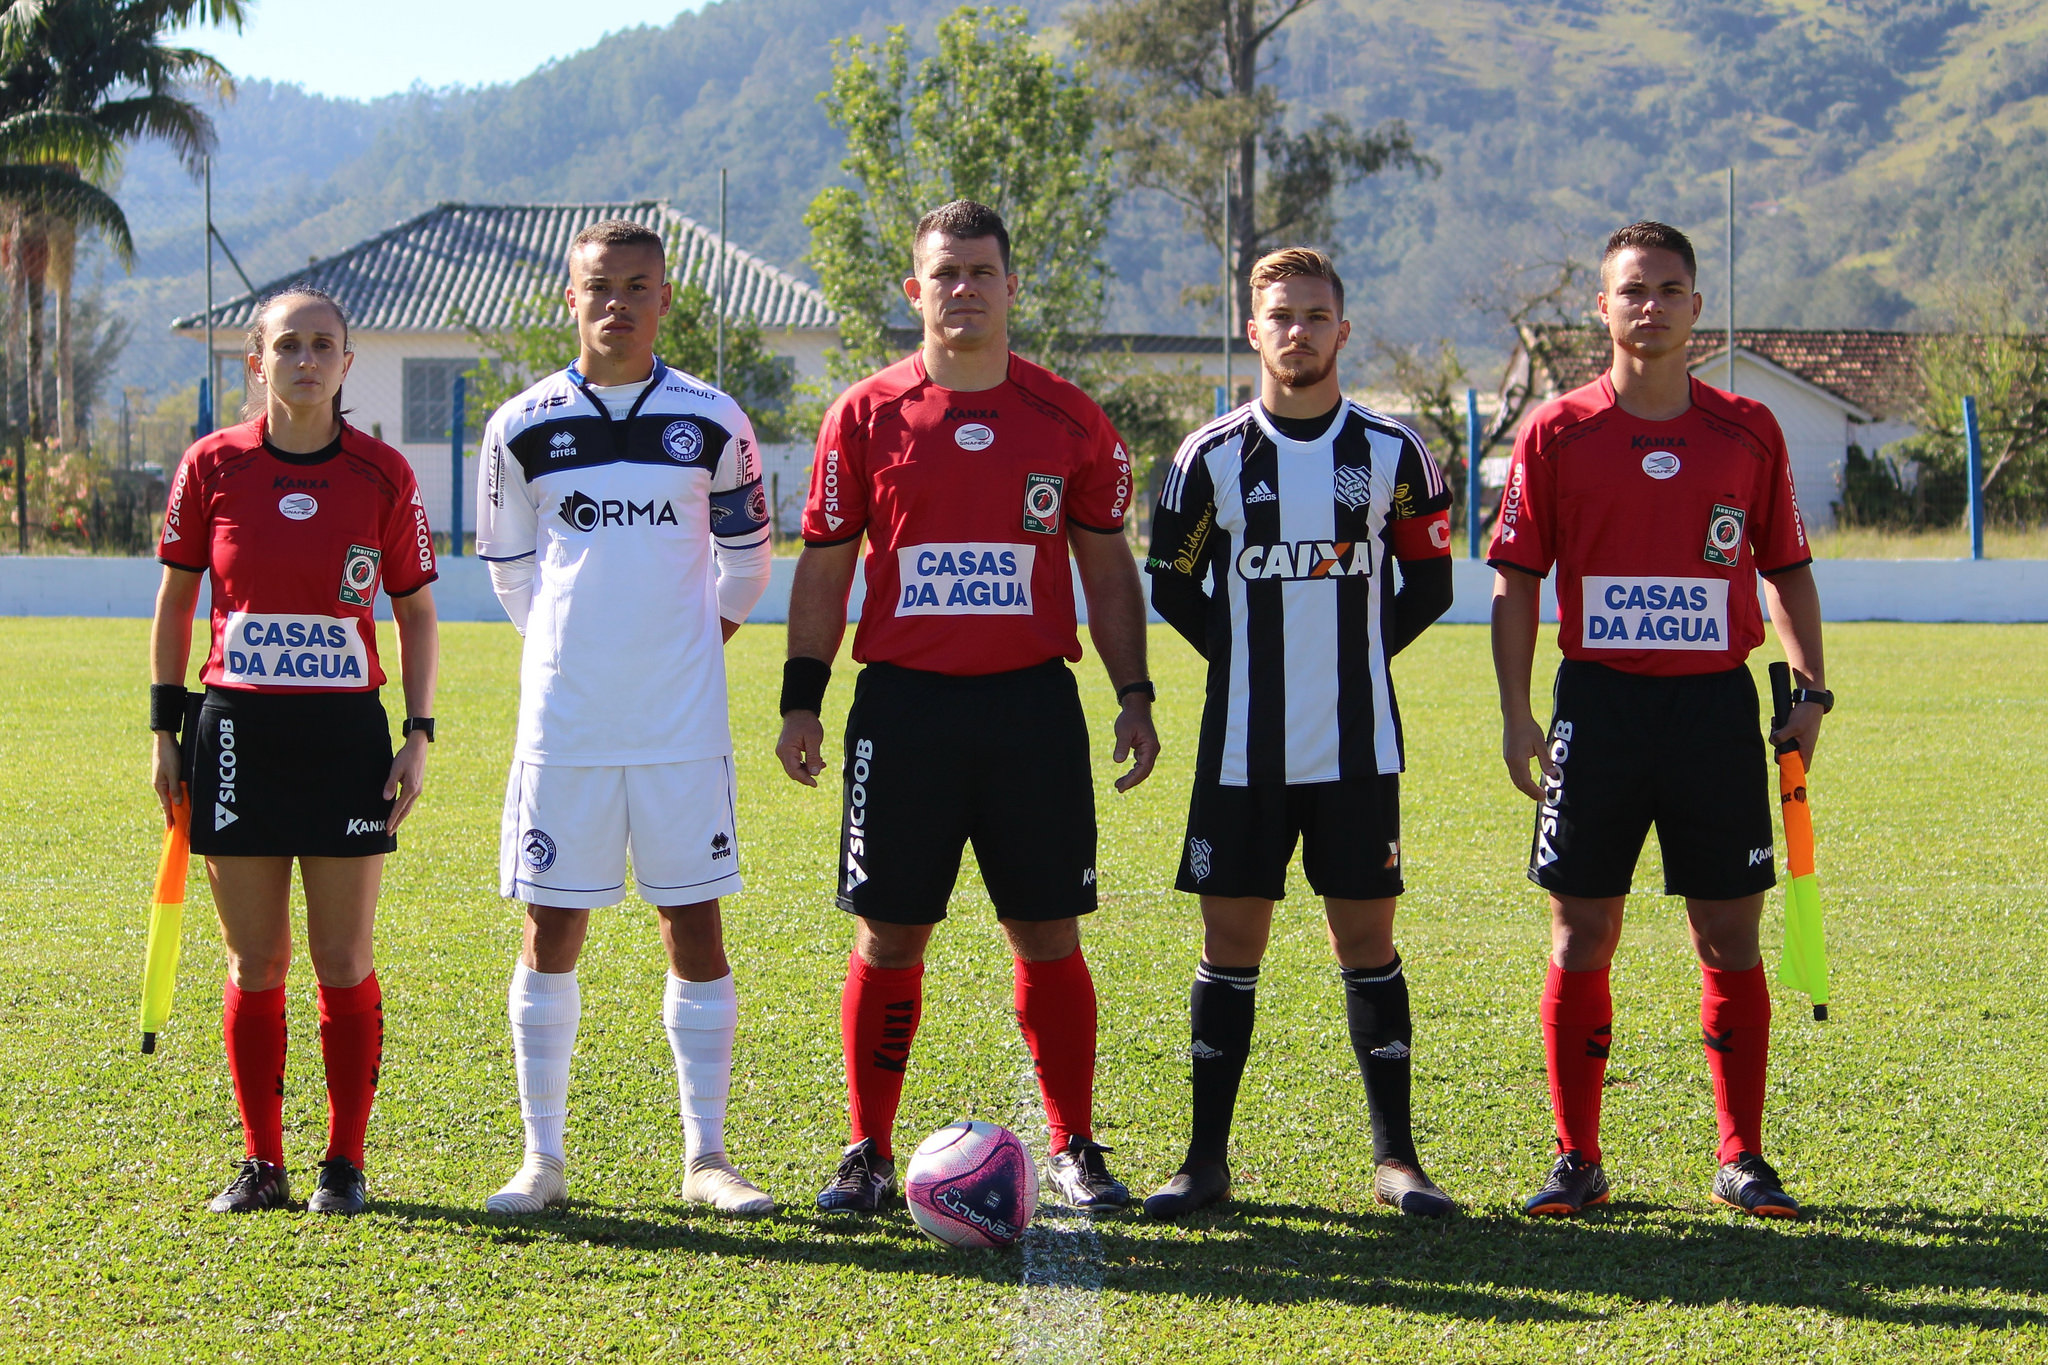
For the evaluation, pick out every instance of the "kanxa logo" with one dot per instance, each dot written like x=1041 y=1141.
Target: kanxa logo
x=1659 y=442
x=285 y=481
x=970 y=415
x=586 y=513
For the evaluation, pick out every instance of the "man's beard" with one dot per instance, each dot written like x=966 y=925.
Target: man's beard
x=1307 y=372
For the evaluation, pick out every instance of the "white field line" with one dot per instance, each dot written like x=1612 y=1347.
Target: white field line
x=1059 y=1307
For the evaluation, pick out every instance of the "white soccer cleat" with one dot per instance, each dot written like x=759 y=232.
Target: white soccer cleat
x=538 y=1186
x=712 y=1180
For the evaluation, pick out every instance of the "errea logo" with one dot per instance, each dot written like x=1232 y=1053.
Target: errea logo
x=561 y=445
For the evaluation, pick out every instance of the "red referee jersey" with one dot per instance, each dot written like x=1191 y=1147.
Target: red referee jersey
x=296 y=546
x=1658 y=529
x=966 y=499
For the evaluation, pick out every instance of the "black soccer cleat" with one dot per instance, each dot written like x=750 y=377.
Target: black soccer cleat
x=1196 y=1185
x=340 y=1190
x=1402 y=1186
x=257 y=1186
x=1084 y=1180
x=865 y=1179
x=1575 y=1183
x=1749 y=1184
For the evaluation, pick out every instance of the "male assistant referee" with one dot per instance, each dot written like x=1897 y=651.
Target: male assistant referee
x=971 y=472
x=622 y=513
x=1659 y=500
x=1273 y=546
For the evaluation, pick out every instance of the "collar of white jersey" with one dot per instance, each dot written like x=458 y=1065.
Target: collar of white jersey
x=584 y=386
x=1274 y=434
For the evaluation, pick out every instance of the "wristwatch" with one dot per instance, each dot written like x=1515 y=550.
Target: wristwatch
x=1143 y=687
x=423 y=724
x=1819 y=696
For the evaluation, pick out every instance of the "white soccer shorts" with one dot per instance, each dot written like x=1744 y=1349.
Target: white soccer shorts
x=567 y=830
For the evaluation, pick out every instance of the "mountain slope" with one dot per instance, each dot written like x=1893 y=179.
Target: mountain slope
x=1884 y=150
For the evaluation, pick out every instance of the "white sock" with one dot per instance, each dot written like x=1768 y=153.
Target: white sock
x=544 y=1008
x=701 y=1017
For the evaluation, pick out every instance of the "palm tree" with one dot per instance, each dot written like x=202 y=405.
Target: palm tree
x=104 y=61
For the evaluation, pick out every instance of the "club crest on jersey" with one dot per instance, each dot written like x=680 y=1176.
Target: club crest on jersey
x=1353 y=485
x=1303 y=559
x=297 y=506
x=538 y=850
x=359 y=574
x=682 y=441
x=1042 y=503
x=1724 y=536
x=974 y=436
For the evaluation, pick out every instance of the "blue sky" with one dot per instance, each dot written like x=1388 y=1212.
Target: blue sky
x=361 y=49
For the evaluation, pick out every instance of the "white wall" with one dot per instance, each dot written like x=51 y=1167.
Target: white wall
x=1992 y=590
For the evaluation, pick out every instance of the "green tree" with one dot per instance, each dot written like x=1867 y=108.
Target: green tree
x=1190 y=109
x=542 y=339
x=104 y=62
x=993 y=117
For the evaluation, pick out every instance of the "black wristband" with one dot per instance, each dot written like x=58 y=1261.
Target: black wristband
x=1143 y=686
x=803 y=685
x=1819 y=696
x=167 y=707
x=417 y=725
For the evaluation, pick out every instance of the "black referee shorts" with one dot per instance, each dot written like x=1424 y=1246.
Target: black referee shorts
x=934 y=762
x=283 y=776
x=1240 y=839
x=1685 y=754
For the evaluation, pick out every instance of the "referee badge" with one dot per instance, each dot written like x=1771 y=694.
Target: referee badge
x=1042 y=503
x=359 y=575
x=1724 y=535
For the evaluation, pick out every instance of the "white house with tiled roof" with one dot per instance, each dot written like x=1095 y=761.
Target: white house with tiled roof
x=1829 y=389
x=413 y=291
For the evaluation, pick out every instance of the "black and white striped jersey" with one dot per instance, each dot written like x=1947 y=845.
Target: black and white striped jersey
x=1294 y=538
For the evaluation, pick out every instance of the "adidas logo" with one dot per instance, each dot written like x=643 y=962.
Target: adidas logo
x=1261 y=493
x=1395 y=1051
x=1202 y=1052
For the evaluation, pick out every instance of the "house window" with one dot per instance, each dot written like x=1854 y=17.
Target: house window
x=428 y=387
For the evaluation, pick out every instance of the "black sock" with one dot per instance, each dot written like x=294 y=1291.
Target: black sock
x=1376 y=1007
x=1220 y=1011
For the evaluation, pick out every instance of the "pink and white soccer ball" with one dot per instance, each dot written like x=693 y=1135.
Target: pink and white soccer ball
x=972 y=1184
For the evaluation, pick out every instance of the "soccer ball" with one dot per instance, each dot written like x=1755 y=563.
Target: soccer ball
x=972 y=1184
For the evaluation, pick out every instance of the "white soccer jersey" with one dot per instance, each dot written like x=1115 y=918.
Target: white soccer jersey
x=1297 y=535
x=624 y=660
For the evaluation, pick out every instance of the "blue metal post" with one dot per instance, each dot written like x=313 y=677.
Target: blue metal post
x=1222 y=399
x=205 y=423
x=455 y=473
x=1974 y=444
x=1472 y=471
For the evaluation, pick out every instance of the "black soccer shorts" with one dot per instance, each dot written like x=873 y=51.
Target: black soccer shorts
x=1685 y=754
x=1240 y=839
x=934 y=762
x=281 y=776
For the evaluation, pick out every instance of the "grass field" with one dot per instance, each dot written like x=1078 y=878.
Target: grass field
x=1914 y=1126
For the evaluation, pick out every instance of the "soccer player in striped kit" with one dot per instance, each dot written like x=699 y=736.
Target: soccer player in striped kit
x=1660 y=502
x=1292 y=510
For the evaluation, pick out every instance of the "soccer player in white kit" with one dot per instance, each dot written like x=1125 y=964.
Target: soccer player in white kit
x=622 y=516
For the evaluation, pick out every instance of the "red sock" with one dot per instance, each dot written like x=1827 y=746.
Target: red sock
x=1056 y=1010
x=1578 y=1020
x=252 y=1025
x=1735 y=1024
x=878 y=1014
x=352 y=1044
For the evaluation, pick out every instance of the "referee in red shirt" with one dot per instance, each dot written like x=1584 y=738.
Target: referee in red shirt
x=971 y=472
x=1659 y=500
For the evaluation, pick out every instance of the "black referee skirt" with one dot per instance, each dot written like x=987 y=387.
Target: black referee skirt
x=278 y=775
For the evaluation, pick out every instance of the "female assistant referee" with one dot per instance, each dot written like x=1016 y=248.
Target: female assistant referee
x=297 y=518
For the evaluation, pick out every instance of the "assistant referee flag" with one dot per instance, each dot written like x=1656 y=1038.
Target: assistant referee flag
x=166 y=924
